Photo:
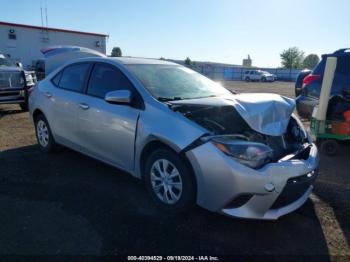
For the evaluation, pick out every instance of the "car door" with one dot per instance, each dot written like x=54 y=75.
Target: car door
x=341 y=82
x=63 y=102
x=107 y=131
x=252 y=75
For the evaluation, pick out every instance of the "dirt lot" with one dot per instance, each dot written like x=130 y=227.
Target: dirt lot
x=66 y=203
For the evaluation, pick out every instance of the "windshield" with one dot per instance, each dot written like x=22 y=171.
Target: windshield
x=173 y=82
x=4 y=61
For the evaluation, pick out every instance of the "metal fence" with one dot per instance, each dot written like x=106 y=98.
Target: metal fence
x=236 y=73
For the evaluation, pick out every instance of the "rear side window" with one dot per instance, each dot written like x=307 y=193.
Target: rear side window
x=319 y=69
x=56 y=79
x=73 y=77
x=343 y=65
x=106 y=78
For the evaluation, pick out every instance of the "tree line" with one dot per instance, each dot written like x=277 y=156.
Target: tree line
x=291 y=58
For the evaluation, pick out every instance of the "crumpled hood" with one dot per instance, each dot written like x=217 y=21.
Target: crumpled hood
x=265 y=113
x=268 y=114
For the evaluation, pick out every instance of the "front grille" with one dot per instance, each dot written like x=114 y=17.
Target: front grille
x=294 y=189
x=3 y=94
x=11 y=80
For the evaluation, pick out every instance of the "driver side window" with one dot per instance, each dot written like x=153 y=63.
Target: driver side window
x=106 y=78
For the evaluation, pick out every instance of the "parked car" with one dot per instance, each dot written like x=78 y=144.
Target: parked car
x=259 y=75
x=14 y=82
x=190 y=139
x=299 y=81
x=312 y=83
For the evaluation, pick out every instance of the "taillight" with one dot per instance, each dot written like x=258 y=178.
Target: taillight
x=310 y=78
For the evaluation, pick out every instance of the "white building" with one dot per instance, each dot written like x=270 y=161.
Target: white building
x=24 y=42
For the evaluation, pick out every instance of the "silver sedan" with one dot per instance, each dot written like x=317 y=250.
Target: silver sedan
x=187 y=137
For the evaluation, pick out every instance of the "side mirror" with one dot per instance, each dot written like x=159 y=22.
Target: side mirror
x=119 y=97
x=19 y=64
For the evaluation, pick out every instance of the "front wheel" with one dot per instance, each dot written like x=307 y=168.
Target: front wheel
x=44 y=136
x=169 y=181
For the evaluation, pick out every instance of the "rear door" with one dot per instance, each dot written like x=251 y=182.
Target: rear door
x=107 y=131
x=254 y=75
x=63 y=102
x=341 y=81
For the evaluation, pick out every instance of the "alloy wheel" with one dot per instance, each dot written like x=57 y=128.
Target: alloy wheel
x=42 y=133
x=166 y=181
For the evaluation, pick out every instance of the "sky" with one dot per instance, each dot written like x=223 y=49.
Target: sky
x=204 y=30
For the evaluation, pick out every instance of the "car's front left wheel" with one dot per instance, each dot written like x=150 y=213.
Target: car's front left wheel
x=169 y=181
x=44 y=136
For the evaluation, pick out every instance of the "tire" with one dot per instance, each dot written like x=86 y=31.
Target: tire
x=263 y=79
x=24 y=106
x=329 y=147
x=162 y=189
x=44 y=136
x=247 y=79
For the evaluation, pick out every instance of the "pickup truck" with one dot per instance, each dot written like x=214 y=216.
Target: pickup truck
x=14 y=82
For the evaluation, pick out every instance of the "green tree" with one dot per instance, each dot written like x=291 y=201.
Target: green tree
x=311 y=61
x=292 y=58
x=188 y=61
x=116 y=52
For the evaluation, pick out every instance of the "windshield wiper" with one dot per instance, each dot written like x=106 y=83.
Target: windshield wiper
x=166 y=99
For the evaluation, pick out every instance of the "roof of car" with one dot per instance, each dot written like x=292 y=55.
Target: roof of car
x=134 y=60
x=339 y=52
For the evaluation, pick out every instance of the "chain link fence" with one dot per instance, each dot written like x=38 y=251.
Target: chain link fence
x=228 y=73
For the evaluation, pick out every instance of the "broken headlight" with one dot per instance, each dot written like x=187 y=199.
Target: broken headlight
x=251 y=154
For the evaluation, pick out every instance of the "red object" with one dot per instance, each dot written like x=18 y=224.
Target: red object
x=347 y=116
x=310 y=78
x=341 y=128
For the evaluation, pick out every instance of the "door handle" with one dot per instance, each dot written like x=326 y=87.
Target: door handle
x=48 y=94
x=83 y=106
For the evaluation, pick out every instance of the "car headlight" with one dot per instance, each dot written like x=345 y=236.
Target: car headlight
x=251 y=154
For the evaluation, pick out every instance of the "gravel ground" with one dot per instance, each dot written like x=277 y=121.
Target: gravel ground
x=67 y=203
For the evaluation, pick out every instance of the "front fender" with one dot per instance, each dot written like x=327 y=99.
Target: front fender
x=166 y=126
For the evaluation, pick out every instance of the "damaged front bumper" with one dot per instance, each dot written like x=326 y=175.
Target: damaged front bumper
x=228 y=187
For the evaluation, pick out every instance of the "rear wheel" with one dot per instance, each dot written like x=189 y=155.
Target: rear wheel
x=169 y=181
x=247 y=79
x=44 y=136
x=329 y=147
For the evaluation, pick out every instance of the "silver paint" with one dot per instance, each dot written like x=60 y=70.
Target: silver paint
x=117 y=134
